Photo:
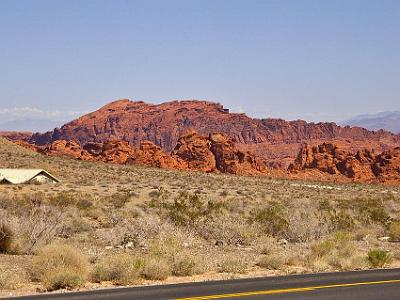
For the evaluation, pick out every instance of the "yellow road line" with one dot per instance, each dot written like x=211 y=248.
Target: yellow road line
x=290 y=290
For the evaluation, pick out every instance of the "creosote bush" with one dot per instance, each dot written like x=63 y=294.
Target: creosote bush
x=60 y=266
x=272 y=219
x=340 y=243
x=187 y=208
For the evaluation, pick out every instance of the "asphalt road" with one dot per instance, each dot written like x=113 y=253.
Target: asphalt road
x=363 y=285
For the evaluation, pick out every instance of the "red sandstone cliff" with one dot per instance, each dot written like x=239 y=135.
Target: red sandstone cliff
x=274 y=140
x=361 y=166
x=215 y=153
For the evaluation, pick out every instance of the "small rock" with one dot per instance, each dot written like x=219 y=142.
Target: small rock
x=384 y=238
x=219 y=243
x=109 y=247
x=129 y=245
x=283 y=242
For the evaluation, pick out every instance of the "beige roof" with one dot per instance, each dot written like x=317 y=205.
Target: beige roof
x=18 y=176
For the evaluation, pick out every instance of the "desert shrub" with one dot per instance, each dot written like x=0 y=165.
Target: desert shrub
x=396 y=254
x=344 y=263
x=167 y=245
x=121 y=269
x=272 y=219
x=378 y=258
x=118 y=200
x=59 y=266
x=394 y=231
x=156 y=268
x=184 y=264
x=342 y=220
x=267 y=245
x=74 y=225
x=272 y=261
x=187 y=209
x=370 y=210
x=63 y=199
x=233 y=264
x=305 y=224
x=84 y=204
x=8 y=278
x=340 y=243
x=232 y=229
x=6 y=238
x=39 y=223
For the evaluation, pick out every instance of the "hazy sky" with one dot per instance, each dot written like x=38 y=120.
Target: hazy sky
x=316 y=60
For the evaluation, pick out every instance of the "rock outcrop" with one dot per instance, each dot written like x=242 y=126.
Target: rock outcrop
x=16 y=135
x=363 y=165
x=274 y=140
x=215 y=153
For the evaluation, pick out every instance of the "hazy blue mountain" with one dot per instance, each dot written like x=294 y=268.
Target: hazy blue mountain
x=388 y=120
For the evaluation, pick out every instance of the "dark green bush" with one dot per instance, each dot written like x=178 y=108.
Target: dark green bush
x=273 y=219
x=187 y=209
x=378 y=258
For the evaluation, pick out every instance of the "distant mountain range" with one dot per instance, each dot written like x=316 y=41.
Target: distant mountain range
x=388 y=120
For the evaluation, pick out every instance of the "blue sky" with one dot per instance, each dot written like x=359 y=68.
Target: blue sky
x=315 y=60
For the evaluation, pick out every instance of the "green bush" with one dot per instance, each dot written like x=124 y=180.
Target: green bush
x=6 y=238
x=340 y=244
x=60 y=266
x=378 y=258
x=371 y=210
x=273 y=219
x=187 y=209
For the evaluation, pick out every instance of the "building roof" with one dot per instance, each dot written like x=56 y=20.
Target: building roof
x=19 y=176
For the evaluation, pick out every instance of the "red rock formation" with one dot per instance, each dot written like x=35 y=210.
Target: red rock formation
x=194 y=150
x=230 y=160
x=274 y=140
x=152 y=155
x=63 y=148
x=217 y=153
x=387 y=166
x=16 y=135
x=362 y=166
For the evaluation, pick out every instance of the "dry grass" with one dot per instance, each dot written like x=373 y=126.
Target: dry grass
x=8 y=278
x=60 y=266
x=121 y=269
x=156 y=268
x=163 y=223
